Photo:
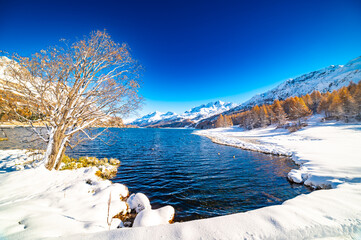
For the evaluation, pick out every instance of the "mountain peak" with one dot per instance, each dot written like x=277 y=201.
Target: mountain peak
x=195 y=114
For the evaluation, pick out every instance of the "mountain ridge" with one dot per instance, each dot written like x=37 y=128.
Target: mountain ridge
x=325 y=79
x=190 y=117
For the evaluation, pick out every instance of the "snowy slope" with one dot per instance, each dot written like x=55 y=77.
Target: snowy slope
x=154 y=117
x=194 y=115
x=326 y=79
x=207 y=110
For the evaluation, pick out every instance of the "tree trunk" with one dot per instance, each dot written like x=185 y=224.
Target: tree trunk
x=60 y=156
x=54 y=145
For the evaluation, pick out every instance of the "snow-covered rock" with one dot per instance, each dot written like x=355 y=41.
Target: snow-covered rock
x=149 y=217
x=139 y=202
x=298 y=175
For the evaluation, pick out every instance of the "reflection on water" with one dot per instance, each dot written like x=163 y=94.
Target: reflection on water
x=197 y=177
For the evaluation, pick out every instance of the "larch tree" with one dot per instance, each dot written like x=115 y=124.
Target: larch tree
x=280 y=117
x=316 y=98
x=72 y=87
x=348 y=104
x=223 y=121
x=308 y=101
x=335 y=108
x=296 y=108
x=324 y=104
x=264 y=118
x=220 y=121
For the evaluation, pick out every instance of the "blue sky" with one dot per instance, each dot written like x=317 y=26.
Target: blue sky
x=194 y=52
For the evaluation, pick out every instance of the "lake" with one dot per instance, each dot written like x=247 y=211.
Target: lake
x=199 y=178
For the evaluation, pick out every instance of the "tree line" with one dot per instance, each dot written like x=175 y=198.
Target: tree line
x=343 y=104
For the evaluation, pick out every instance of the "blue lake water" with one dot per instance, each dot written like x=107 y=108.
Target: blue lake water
x=199 y=178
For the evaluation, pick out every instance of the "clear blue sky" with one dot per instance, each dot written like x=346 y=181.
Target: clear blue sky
x=197 y=51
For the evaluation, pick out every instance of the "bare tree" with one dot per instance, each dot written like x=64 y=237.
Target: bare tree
x=70 y=88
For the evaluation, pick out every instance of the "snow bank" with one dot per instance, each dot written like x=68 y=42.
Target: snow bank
x=149 y=217
x=327 y=152
x=37 y=203
x=330 y=156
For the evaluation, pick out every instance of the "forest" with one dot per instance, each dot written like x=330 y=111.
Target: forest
x=343 y=104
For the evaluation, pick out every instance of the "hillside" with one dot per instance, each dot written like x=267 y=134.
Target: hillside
x=324 y=80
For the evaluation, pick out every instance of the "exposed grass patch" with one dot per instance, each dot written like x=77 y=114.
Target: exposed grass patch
x=107 y=167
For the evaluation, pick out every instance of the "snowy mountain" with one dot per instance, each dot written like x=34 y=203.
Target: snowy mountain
x=188 y=118
x=208 y=110
x=153 y=118
x=326 y=79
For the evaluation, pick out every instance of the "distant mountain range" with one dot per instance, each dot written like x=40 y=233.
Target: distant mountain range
x=327 y=79
x=187 y=119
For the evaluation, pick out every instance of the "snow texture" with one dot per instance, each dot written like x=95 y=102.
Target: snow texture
x=36 y=203
x=138 y=202
x=149 y=217
x=329 y=155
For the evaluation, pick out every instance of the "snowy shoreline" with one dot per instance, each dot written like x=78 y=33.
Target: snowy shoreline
x=328 y=153
x=330 y=157
x=301 y=146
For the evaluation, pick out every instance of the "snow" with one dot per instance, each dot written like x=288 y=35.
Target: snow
x=326 y=151
x=326 y=79
x=138 y=202
x=37 y=203
x=154 y=117
x=34 y=205
x=195 y=114
x=329 y=155
x=149 y=217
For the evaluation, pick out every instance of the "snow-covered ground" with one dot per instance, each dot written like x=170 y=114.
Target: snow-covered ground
x=36 y=203
x=33 y=206
x=329 y=152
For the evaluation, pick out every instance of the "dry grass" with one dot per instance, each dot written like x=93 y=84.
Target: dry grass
x=107 y=167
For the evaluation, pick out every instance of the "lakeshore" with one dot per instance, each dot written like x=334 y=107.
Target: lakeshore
x=61 y=204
